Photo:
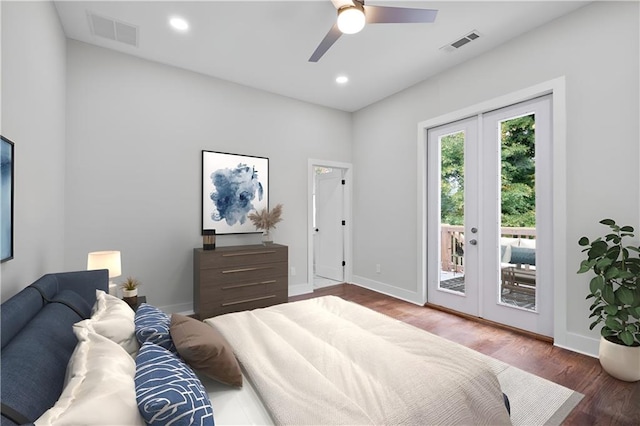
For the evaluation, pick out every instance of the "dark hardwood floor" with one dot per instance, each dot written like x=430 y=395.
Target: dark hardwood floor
x=606 y=401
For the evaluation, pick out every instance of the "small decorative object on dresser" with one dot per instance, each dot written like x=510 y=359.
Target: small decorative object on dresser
x=130 y=291
x=209 y=239
x=239 y=278
x=265 y=220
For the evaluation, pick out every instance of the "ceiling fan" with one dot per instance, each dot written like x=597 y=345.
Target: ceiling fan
x=353 y=14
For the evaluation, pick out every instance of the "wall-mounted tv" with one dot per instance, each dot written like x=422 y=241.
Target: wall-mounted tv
x=6 y=198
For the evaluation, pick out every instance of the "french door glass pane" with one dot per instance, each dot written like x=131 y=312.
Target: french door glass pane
x=452 y=212
x=518 y=213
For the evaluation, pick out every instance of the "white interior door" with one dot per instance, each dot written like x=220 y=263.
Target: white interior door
x=483 y=171
x=329 y=233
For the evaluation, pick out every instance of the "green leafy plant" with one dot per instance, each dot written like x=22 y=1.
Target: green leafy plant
x=130 y=284
x=616 y=286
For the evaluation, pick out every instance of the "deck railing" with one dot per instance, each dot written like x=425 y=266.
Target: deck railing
x=452 y=244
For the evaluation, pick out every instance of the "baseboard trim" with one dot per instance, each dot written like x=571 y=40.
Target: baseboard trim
x=179 y=308
x=389 y=290
x=582 y=344
x=299 y=289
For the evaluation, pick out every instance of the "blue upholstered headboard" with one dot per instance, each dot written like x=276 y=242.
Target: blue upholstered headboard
x=37 y=340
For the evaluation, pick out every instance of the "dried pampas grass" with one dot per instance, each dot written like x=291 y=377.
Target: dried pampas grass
x=265 y=219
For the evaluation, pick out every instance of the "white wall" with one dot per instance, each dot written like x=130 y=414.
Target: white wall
x=597 y=49
x=33 y=117
x=135 y=134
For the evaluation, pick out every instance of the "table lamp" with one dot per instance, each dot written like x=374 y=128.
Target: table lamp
x=106 y=260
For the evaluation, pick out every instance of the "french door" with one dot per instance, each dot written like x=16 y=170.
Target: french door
x=489 y=216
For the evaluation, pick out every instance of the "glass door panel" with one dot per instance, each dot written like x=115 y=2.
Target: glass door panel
x=452 y=212
x=517 y=283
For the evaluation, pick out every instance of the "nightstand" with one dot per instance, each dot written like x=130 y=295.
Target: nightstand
x=141 y=300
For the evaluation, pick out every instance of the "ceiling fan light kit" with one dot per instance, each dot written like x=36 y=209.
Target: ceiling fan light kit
x=351 y=19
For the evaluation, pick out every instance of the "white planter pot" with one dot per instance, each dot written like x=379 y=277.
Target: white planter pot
x=129 y=293
x=622 y=362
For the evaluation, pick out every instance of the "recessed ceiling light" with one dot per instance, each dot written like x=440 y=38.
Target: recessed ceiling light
x=179 y=23
x=342 y=79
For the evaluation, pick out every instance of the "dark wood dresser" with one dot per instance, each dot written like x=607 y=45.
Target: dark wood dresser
x=238 y=278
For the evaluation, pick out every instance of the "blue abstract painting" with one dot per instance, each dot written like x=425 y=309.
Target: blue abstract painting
x=6 y=199
x=232 y=187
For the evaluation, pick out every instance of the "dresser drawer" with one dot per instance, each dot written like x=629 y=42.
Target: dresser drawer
x=249 y=255
x=245 y=289
x=241 y=275
x=211 y=309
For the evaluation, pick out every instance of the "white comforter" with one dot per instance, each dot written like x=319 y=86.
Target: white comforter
x=326 y=361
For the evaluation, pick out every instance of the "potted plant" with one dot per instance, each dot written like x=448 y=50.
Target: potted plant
x=266 y=220
x=615 y=291
x=130 y=290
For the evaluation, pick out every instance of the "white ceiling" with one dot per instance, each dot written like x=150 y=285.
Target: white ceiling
x=267 y=44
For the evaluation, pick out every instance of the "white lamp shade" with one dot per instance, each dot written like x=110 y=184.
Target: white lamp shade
x=350 y=20
x=105 y=260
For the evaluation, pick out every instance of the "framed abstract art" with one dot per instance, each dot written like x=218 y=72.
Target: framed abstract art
x=6 y=198
x=233 y=186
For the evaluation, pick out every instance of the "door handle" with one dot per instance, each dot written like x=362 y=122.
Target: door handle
x=473 y=242
x=474 y=230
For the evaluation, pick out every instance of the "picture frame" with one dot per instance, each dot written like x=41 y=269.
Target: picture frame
x=233 y=186
x=7 y=173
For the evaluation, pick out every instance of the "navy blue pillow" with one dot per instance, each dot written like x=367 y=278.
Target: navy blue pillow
x=523 y=256
x=152 y=325
x=167 y=390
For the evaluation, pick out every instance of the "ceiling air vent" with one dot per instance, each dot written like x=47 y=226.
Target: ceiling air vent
x=113 y=29
x=451 y=47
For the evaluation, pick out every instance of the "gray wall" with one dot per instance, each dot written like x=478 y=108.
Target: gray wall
x=127 y=176
x=33 y=117
x=135 y=134
x=597 y=49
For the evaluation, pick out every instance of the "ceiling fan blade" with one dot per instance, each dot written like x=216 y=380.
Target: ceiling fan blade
x=398 y=15
x=328 y=40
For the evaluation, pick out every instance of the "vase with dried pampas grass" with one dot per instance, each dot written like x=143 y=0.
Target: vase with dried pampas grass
x=266 y=220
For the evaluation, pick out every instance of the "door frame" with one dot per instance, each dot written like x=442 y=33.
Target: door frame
x=347 y=203
x=556 y=87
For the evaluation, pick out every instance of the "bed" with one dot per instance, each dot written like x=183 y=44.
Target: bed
x=71 y=354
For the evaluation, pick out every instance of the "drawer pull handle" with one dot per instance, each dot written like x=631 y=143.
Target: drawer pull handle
x=248 y=253
x=255 y=299
x=230 y=287
x=233 y=271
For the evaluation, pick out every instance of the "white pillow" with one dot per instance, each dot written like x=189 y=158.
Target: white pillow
x=507 y=241
x=527 y=243
x=101 y=388
x=506 y=257
x=113 y=319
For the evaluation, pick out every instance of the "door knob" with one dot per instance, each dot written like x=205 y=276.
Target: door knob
x=473 y=242
x=474 y=230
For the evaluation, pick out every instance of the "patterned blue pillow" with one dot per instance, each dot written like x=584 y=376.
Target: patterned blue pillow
x=167 y=390
x=523 y=255
x=152 y=325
